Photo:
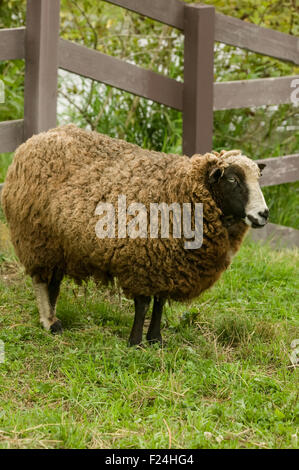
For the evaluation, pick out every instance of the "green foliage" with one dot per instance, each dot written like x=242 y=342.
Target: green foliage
x=5 y=160
x=283 y=203
x=282 y=16
x=12 y=75
x=12 y=13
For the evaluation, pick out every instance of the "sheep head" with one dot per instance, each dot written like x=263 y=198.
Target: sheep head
x=233 y=181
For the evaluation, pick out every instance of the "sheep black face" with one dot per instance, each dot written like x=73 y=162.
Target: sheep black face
x=237 y=191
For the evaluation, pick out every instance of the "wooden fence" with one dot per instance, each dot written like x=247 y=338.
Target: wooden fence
x=44 y=52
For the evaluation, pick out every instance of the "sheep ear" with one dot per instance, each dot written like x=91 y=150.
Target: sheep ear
x=215 y=175
x=261 y=166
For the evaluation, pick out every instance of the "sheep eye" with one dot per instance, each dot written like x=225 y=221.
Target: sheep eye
x=231 y=179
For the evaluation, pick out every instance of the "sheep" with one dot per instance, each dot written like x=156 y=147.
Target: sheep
x=51 y=199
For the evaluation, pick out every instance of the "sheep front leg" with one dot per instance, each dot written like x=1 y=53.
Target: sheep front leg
x=141 y=307
x=154 y=333
x=46 y=308
x=54 y=287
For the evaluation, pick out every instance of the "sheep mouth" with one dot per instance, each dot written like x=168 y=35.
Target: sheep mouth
x=255 y=223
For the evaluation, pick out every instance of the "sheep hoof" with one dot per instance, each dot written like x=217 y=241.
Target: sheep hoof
x=56 y=328
x=138 y=345
x=155 y=340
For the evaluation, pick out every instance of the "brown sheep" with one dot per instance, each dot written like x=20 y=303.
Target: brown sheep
x=50 y=199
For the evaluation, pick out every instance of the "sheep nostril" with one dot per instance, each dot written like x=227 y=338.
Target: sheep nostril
x=264 y=214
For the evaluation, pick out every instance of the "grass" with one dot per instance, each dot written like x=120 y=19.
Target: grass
x=224 y=378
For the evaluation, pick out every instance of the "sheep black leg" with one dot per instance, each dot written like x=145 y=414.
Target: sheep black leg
x=141 y=307
x=154 y=333
x=53 y=288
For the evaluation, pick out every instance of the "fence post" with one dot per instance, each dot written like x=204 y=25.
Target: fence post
x=41 y=65
x=199 y=23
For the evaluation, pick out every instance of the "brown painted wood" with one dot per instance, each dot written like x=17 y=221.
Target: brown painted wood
x=12 y=43
x=198 y=79
x=280 y=170
x=259 y=92
x=170 y=12
x=256 y=38
x=278 y=236
x=115 y=72
x=11 y=135
x=41 y=55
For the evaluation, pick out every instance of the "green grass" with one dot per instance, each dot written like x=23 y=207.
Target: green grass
x=224 y=378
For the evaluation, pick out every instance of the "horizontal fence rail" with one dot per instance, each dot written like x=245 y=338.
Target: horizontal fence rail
x=257 y=92
x=115 y=72
x=276 y=235
x=280 y=170
x=257 y=39
x=12 y=43
x=172 y=14
x=11 y=135
x=228 y=29
x=151 y=85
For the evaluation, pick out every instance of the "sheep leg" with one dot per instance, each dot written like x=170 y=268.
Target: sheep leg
x=141 y=307
x=54 y=288
x=154 y=333
x=46 y=311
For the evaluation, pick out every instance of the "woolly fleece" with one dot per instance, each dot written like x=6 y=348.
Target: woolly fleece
x=52 y=189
